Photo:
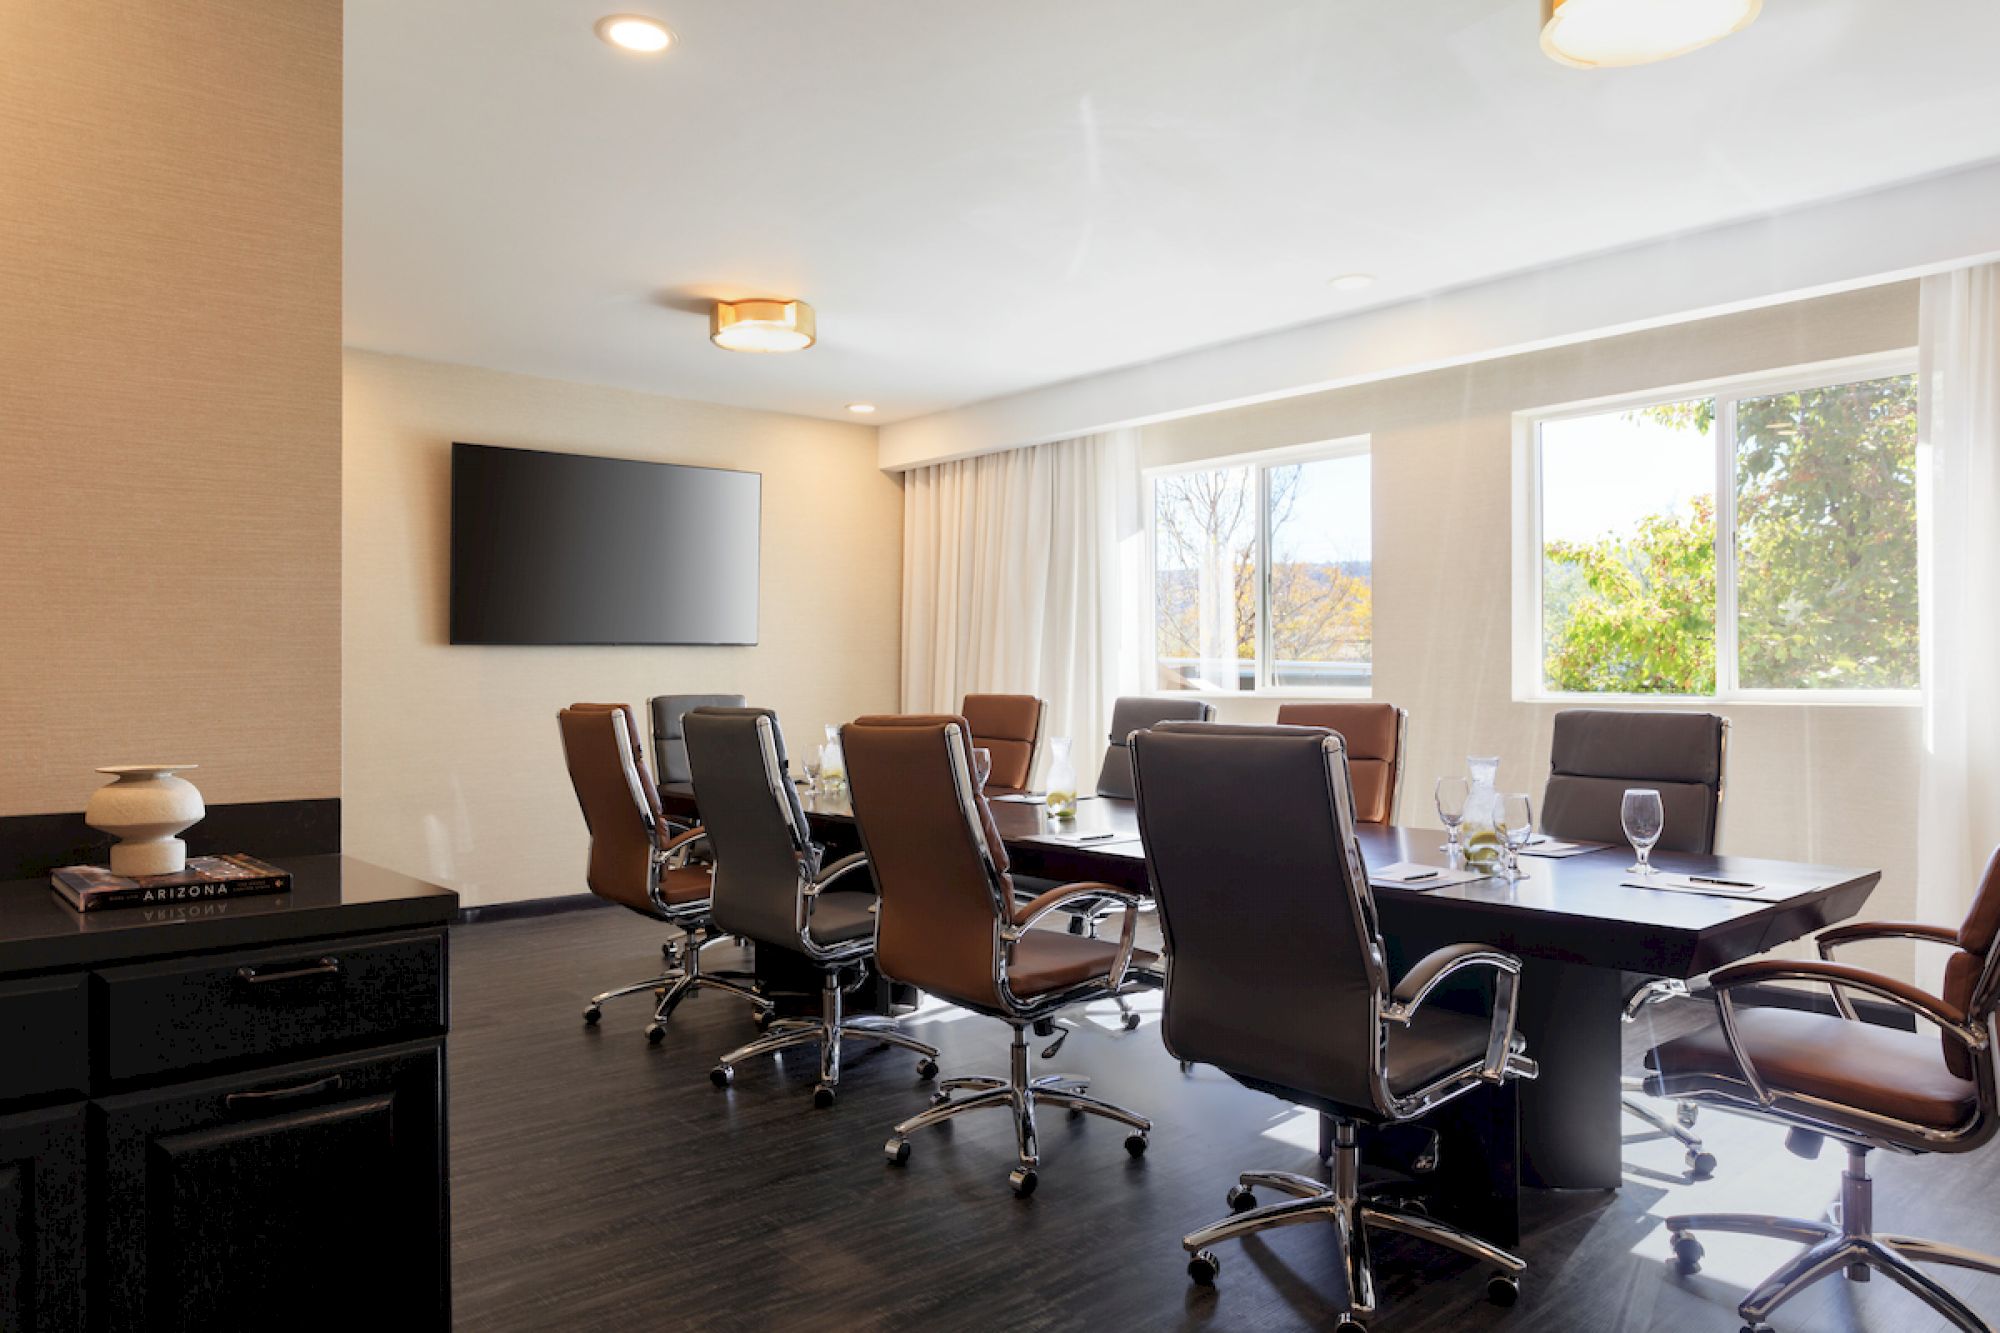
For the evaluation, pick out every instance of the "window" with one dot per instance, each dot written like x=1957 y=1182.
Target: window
x=1759 y=540
x=1261 y=573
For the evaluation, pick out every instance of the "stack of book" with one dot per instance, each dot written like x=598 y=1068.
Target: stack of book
x=91 y=888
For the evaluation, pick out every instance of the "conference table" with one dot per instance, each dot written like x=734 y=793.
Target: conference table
x=1587 y=938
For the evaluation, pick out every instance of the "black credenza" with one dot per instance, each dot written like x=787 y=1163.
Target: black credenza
x=227 y=1115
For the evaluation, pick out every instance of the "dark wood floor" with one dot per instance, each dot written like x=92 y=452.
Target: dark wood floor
x=601 y=1183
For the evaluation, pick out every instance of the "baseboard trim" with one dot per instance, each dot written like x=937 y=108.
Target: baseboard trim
x=1818 y=1001
x=33 y=845
x=527 y=907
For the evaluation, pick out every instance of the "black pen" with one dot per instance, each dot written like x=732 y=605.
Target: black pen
x=1725 y=883
x=1411 y=879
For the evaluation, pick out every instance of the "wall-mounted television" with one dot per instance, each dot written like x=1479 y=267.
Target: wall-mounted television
x=553 y=548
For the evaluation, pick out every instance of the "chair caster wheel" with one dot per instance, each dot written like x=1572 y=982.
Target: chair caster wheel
x=1503 y=1289
x=763 y=1018
x=1687 y=1255
x=823 y=1096
x=1136 y=1143
x=939 y=1098
x=1350 y=1326
x=655 y=1034
x=1129 y=1022
x=1023 y=1180
x=927 y=1069
x=1241 y=1199
x=1203 y=1266
x=1187 y=1066
x=722 y=1076
x=668 y=952
x=591 y=1015
x=1686 y=1113
x=1700 y=1165
x=1757 y=1328
x=897 y=1151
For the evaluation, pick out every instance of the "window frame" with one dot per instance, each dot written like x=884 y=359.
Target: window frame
x=1260 y=462
x=1528 y=679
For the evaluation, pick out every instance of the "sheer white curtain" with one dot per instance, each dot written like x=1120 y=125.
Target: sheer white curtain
x=1020 y=576
x=1958 y=464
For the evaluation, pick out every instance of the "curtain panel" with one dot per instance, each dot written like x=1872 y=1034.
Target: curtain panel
x=1021 y=575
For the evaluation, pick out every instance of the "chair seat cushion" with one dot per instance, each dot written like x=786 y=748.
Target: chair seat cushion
x=1863 y=1065
x=840 y=917
x=685 y=884
x=1045 y=960
x=1437 y=1042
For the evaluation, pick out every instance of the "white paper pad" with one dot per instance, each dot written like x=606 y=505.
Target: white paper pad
x=1085 y=839
x=1556 y=850
x=1031 y=798
x=1410 y=875
x=1666 y=882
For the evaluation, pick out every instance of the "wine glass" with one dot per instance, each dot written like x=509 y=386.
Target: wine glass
x=812 y=770
x=1644 y=819
x=982 y=766
x=1516 y=824
x=1451 y=794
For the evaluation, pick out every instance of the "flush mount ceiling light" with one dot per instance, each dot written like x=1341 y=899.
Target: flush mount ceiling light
x=762 y=326
x=1351 y=282
x=635 y=32
x=1603 y=34
x=861 y=409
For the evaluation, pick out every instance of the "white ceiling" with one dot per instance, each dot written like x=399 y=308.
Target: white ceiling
x=982 y=198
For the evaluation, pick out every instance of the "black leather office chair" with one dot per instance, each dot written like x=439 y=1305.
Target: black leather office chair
x=771 y=888
x=1114 y=777
x=1276 y=977
x=670 y=755
x=1596 y=755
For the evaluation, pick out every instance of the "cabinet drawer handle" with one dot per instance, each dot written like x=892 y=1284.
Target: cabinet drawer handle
x=324 y=967
x=250 y=1101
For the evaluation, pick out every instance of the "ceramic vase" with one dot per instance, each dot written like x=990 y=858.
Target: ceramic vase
x=145 y=808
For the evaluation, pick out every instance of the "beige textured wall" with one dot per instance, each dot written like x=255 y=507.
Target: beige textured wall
x=453 y=770
x=1828 y=784
x=170 y=396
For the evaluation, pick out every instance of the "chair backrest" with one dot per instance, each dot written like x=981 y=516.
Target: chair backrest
x=756 y=826
x=1009 y=726
x=939 y=864
x=1277 y=963
x=1374 y=733
x=1972 y=972
x=621 y=806
x=1114 y=777
x=1599 y=752
x=669 y=742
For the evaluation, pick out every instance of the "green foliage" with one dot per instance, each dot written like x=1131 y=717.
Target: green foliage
x=1638 y=616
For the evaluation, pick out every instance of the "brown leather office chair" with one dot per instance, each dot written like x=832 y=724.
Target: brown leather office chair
x=635 y=860
x=1596 y=754
x=1114 y=777
x=1009 y=727
x=1376 y=736
x=1277 y=978
x=1869 y=1086
x=948 y=922
x=771 y=887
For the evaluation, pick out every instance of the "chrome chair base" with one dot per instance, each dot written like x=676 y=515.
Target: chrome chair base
x=1700 y=1161
x=1021 y=1094
x=678 y=984
x=1353 y=1216
x=827 y=1032
x=1848 y=1246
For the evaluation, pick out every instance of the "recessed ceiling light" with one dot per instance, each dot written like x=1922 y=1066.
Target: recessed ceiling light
x=1351 y=282
x=861 y=409
x=1601 y=34
x=635 y=32
x=763 y=326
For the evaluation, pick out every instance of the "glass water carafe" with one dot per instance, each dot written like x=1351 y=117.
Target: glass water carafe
x=1062 y=780
x=1483 y=844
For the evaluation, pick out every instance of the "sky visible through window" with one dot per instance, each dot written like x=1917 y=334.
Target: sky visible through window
x=1602 y=474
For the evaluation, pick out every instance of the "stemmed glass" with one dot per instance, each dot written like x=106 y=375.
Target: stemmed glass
x=1450 y=795
x=1644 y=818
x=812 y=770
x=1516 y=820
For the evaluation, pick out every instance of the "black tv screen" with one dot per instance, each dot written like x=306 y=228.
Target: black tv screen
x=565 y=548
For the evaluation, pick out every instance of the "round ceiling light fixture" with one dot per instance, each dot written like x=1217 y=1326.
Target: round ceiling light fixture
x=1607 y=34
x=635 y=32
x=1595 y=35
x=862 y=409
x=762 y=326
x=1351 y=282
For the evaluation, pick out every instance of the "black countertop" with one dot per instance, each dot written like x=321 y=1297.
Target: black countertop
x=330 y=895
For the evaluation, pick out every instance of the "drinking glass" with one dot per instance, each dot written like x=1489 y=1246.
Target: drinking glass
x=982 y=766
x=812 y=770
x=1644 y=819
x=1451 y=794
x=1515 y=818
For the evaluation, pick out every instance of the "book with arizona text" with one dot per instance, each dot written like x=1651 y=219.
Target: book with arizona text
x=90 y=888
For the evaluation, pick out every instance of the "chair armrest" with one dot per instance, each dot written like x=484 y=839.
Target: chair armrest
x=1423 y=978
x=675 y=850
x=1838 y=977
x=828 y=874
x=1042 y=904
x=1829 y=940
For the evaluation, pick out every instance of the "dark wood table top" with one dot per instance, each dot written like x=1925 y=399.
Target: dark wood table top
x=1571 y=910
x=330 y=894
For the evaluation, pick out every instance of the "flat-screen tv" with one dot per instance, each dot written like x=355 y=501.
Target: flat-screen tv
x=566 y=548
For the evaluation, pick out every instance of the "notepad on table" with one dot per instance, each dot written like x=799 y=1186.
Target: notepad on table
x=1556 y=849
x=1713 y=886
x=1410 y=875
